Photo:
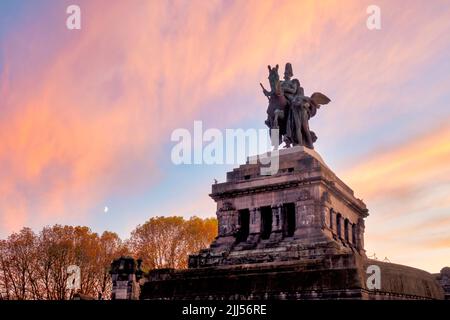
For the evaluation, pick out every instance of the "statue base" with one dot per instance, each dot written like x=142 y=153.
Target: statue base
x=297 y=234
x=328 y=277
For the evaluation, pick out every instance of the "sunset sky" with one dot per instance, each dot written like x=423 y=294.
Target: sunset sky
x=86 y=115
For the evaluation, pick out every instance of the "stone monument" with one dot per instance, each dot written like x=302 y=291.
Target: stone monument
x=444 y=279
x=125 y=273
x=296 y=234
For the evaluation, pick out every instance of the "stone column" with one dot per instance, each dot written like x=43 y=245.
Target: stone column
x=350 y=234
x=328 y=222
x=342 y=223
x=328 y=215
x=277 y=223
x=255 y=225
x=332 y=221
x=360 y=235
x=324 y=216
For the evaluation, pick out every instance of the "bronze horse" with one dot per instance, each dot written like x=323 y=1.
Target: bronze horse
x=277 y=111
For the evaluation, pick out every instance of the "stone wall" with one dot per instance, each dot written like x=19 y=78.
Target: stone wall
x=444 y=280
x=341 y=276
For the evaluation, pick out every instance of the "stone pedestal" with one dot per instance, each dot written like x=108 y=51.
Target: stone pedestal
x=297 y=234
x=126 y=273
x=334 y=276
x=298 y=200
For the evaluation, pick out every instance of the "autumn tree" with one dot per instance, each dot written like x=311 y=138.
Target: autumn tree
x=111 y=247
x=17 y=262
x=166 y=242
x=62 y=246
x=35 y=266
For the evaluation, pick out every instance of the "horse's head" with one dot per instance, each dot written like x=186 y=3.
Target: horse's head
x=274 y=80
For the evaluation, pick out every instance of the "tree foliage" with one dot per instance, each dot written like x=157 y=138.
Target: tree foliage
x=166 y=242
x=34 y=266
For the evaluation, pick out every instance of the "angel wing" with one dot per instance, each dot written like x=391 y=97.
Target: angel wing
x=319 y=98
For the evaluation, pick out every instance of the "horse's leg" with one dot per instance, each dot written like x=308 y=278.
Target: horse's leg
x=298 y=127
x=307 y=133
x=276 y=119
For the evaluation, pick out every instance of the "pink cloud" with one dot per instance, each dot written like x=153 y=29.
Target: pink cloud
x=406 y=188
x=87 y=120
x=81 y=119
x=391 y=172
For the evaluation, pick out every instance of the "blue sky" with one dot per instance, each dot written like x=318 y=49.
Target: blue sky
x=86 y=115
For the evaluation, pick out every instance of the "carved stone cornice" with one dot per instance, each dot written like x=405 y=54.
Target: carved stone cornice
x=331 y=185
